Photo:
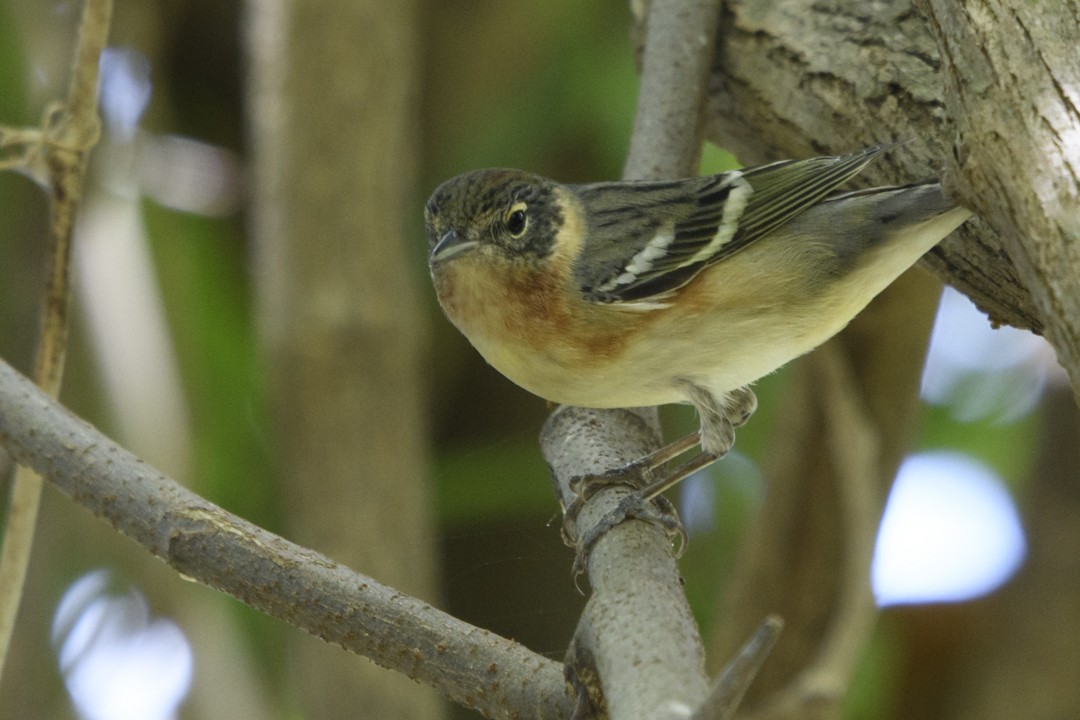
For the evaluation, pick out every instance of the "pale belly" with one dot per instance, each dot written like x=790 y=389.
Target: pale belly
x=680 y=350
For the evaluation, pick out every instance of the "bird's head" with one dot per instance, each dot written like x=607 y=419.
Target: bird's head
x=502 y=216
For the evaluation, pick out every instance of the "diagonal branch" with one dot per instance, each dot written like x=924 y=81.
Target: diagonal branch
x=202 y=542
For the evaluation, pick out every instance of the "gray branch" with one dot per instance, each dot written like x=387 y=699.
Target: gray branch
x=679 y=38
x=637 y=652
x=636 y=647
x=204 y=543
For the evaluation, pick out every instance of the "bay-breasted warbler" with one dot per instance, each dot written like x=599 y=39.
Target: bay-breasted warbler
x=628 y=294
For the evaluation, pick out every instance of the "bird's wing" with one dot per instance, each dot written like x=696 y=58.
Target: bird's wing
x=647 y=240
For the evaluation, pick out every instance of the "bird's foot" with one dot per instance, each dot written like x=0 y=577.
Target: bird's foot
x=634 y=506
x=637 y=474
x=585 y=487
x=720 y=416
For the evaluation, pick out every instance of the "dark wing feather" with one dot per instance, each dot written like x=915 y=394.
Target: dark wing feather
x=646 y=240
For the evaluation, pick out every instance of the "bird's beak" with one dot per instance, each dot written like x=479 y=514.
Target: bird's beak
x=450 y=245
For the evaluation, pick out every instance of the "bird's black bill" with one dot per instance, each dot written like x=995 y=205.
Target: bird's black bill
x=450 y=245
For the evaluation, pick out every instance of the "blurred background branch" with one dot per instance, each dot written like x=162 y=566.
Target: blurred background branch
x=333 y=174
x=56 y=155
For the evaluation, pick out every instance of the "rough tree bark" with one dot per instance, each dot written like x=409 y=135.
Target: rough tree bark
x=794 y=78
x=1012 y=86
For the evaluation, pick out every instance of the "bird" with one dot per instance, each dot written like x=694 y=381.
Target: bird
x=641 y=293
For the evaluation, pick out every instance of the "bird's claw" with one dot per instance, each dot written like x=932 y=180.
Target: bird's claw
x=584 y=487
x=659 y=511
x=741 y=405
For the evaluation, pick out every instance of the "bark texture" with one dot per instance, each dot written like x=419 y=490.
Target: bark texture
x=1012 y=84
x=794 y=78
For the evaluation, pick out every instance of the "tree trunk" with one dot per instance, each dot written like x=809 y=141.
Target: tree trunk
x=332 y=109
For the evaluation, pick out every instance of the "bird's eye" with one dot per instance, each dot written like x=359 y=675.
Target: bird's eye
x=516 y=220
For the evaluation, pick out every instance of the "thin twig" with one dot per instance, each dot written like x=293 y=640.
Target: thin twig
x=68 y=136
x=733 y=681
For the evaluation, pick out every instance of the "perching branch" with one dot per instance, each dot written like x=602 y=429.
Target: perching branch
x=637 y=651
x=474 y=667
x=56 y=156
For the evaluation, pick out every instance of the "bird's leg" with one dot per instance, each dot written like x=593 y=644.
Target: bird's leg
x=585 y=486
x=719 y=417
x=634 y=505
x=658 y=458
x=699 y=462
